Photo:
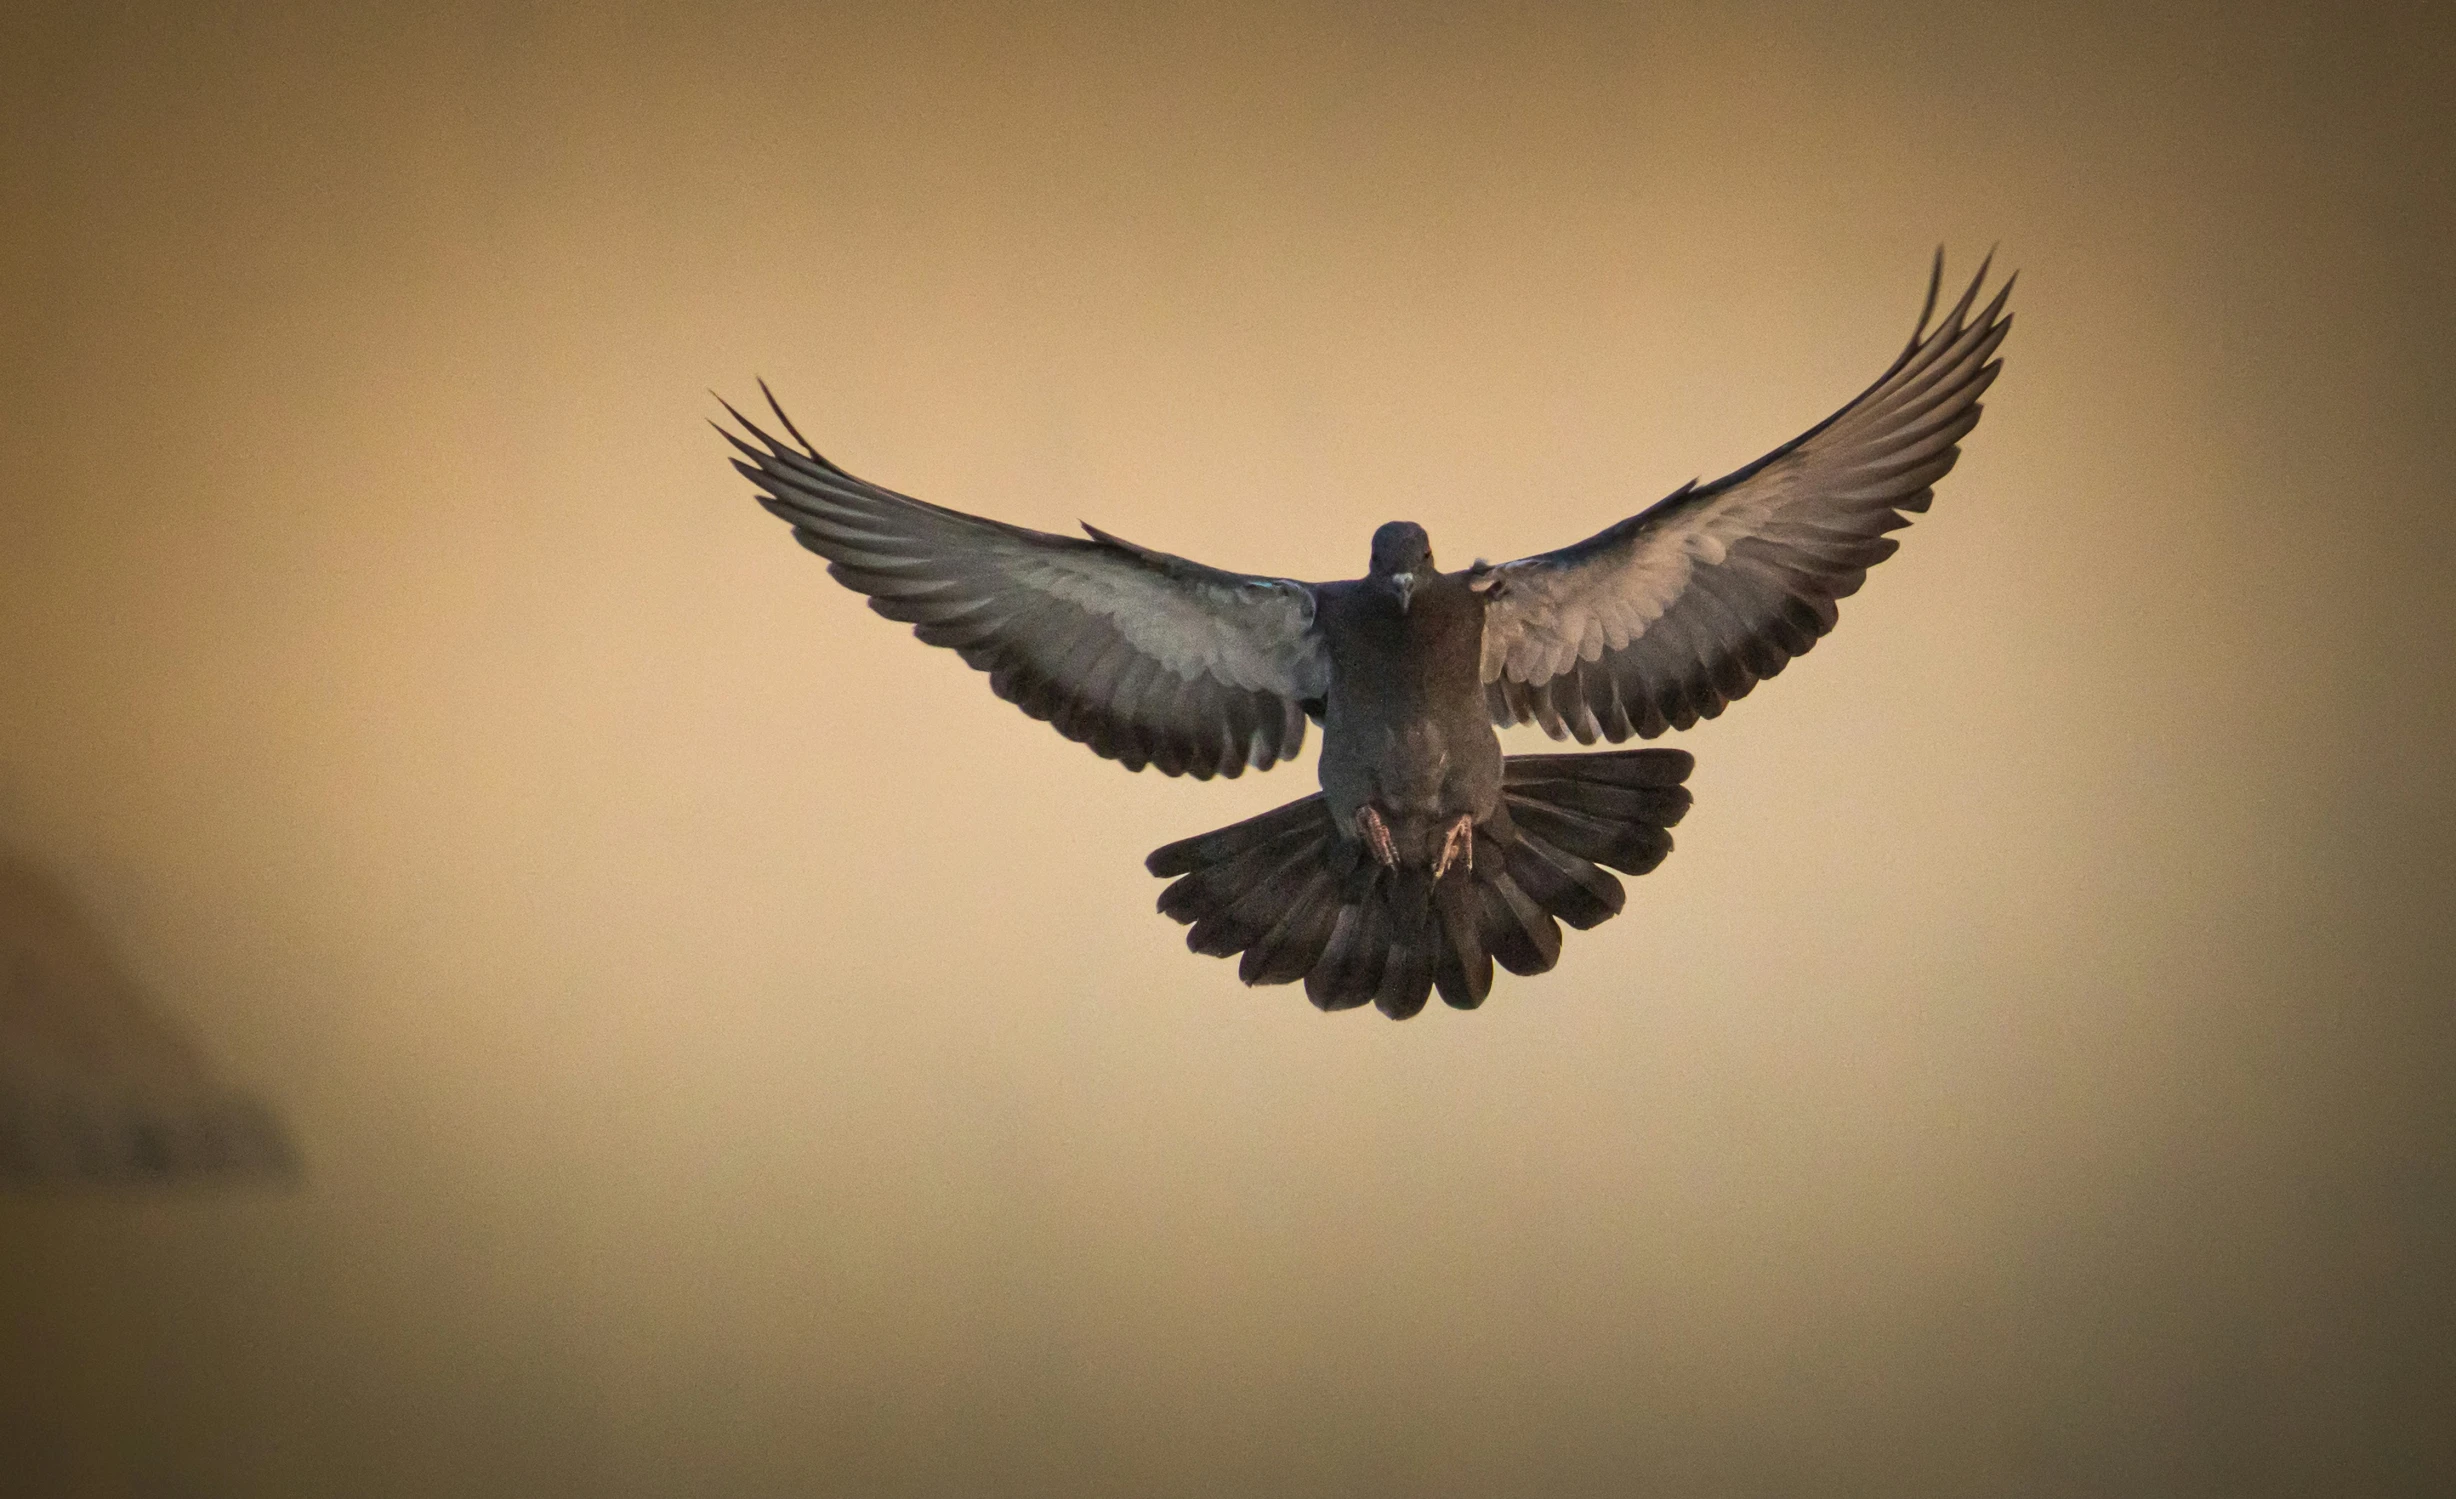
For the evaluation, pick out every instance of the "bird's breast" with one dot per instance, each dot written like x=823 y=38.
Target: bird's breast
x=1406 y=725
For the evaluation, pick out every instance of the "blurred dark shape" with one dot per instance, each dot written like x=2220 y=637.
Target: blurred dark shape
x=95 y=1087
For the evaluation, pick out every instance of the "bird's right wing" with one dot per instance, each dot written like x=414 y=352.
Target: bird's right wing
x=1147 y=658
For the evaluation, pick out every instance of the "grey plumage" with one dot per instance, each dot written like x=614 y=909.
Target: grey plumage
x=1664 y=618
x=1428 y=857
x=1147 y=658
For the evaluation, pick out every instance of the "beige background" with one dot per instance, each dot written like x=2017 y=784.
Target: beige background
x=736 y=1055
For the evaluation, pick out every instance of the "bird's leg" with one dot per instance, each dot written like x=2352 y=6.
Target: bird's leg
x=1376 y=836
x=1457 y=846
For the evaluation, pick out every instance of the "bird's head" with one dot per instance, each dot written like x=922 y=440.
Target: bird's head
x=1403 y=555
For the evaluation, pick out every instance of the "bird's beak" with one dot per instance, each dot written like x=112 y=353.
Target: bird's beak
x=1407 y=588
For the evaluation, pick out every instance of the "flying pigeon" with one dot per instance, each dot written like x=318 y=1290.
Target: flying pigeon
x=1428 y=855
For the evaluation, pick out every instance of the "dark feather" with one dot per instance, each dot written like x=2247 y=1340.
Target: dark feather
x=1521 y=936
x=1663 y=805
x=1231 y=927
x=1351 y=968
x=1569 y=887
x=1464 y=974
x=1219 y=884
x=1288 y=951
x=1187 y=854
x=1407 y=977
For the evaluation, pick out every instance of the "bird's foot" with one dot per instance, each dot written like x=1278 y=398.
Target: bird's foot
x=1457 y=846
x=1376 y=836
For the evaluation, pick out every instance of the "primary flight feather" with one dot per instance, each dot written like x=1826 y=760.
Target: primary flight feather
x=1428 y=855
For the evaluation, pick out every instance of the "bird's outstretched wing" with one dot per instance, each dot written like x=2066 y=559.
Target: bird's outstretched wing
x=1664 y=618
x=1147 y=658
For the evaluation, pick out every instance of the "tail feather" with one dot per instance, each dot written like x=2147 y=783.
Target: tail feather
x=1205 y=849
x=1349 y=973
x=1661 y=805
x=1523 y=936
x=1407 y=978
x=1228 y=881
x=1288 y=951
x=1278 y=869
x=1630 y=847
x=1464 y=973
x=1415 y=943
x=1295 y=895
x=1569 y=887
x=1643 y=767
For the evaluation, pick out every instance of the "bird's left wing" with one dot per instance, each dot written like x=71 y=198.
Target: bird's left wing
x=1148 y=659
x=1664 y=618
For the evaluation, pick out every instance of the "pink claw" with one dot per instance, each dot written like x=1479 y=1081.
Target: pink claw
x=1376 y=835
x=1457 y=846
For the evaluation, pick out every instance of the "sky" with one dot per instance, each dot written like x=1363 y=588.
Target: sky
x=730 y=1052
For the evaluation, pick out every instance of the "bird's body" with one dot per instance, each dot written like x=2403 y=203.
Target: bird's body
x=1429 y=855
x=1404 y=726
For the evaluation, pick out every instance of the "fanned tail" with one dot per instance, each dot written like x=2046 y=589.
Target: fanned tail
x=1300 y=900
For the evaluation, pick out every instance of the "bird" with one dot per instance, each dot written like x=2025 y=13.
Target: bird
x=1428 y=855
